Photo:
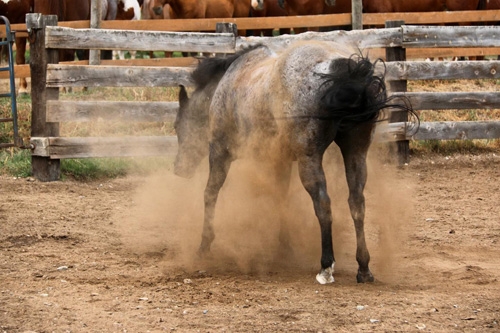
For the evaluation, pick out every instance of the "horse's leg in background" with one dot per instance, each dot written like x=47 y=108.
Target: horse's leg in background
x=21 y=60
x=313 y=178
x=219 y=163
x=354 y=146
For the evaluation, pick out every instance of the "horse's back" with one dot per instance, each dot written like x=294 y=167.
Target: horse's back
x=265 y=79
x=266 y=90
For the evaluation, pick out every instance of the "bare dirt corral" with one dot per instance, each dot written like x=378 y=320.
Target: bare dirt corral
x=119 y=256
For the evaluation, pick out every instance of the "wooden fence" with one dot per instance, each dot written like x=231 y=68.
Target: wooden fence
x=48 y=76
x=333 y=20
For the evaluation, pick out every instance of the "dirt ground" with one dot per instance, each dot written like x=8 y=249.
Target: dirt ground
x=119 y=255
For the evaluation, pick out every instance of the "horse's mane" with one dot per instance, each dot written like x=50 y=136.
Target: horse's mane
x=356 y=94
x=212 y=69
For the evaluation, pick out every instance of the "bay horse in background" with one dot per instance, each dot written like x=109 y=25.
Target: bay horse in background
x=267 y=8
x=462 y=4
x=66 y=10
x=390 y=6
x=15 y=11
x=492 y=4
x=242 y=8
x=304 y=7
x=279 y=105
x=189 y=9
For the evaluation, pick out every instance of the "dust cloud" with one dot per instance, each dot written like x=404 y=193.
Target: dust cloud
x=167 y=216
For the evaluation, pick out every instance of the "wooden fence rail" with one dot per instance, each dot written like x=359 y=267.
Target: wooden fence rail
x=48 y=76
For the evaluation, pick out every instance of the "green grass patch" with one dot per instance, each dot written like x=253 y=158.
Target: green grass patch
x=15 y=162
x=450 y=147
x=104 y=168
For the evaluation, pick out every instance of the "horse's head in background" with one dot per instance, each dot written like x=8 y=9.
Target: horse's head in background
x=157 y=6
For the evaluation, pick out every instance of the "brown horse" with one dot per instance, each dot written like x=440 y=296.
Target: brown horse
x=462 y=4
x=388 y=6
x=66 y=10
x=492 y=4
x=187 y=9
x=305 y=7
x=15 y=11
x=261 y=8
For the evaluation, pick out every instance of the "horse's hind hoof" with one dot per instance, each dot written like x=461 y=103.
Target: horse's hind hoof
x=326 y=275
x=365 y=277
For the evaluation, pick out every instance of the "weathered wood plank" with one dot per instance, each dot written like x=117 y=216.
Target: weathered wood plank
x=358 y=39
x=83 y=111
x=85 y=147
x=442 y=70
x=432 y=17
x=452 y=100
x=105 y=39
x=451 y=52
x=447 y=36
x=243 y=23
x=163 y=62
x=357 y=14
x=444 y=130
x=116 y=76
x=462 y=130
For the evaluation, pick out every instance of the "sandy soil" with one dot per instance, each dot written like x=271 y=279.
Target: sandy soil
x=119 y=255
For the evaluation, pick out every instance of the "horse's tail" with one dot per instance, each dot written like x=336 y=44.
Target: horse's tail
x=211 y=70
x=354 y=93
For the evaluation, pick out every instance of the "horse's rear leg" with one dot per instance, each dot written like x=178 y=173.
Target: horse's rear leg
x=219 y=163
x=356 y=174
x=313 y=178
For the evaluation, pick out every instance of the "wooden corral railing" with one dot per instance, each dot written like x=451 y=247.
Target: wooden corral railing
x=483 y=17
x=48 y=76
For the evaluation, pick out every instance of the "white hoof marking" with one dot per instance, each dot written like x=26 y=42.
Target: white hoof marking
x=326 y=275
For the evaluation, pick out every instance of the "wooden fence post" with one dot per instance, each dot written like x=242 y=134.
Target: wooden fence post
x=95 y=23
x=43 y=168
x=398 y=54
x=223 y=27
x=357 y=15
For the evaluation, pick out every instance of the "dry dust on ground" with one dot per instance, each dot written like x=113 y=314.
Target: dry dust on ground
x=119 y=255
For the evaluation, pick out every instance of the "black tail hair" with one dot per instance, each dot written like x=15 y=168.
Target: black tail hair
x=212 y=69
x=355 y=93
